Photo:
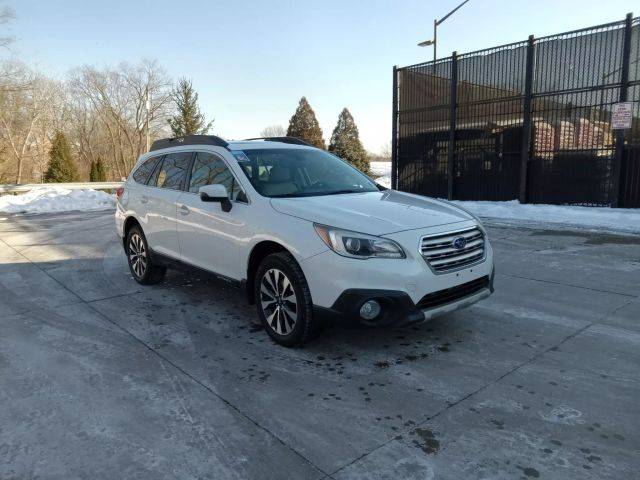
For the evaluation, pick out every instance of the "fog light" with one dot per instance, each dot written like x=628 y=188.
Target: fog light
x=370 y=310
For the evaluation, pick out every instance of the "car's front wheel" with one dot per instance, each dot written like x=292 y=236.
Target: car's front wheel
x=141 y=265
x=284 y=301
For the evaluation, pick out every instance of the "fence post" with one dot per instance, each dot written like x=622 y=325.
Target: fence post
x=526 y=121
x=394 y=132
x=451 y=157
x=619 y=134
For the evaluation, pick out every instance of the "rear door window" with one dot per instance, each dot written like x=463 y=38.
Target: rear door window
x=173 y=171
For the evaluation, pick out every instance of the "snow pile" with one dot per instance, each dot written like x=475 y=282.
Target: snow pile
x=56 y=199
x=381 y=172
x=601 y=218
x=625 y=220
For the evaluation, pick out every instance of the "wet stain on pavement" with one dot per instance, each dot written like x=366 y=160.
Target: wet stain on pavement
x=256 y=327
x=426 y=441
x=530 y=472
x=499 y=424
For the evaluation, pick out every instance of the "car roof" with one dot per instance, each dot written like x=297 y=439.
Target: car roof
x=232 y=145
x=262 y=144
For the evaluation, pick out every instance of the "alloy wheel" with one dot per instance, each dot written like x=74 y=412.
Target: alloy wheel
x=278 y=301
x=137 y=255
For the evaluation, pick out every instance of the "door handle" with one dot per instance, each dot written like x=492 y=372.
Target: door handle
x=144 y=199
x=184 y=210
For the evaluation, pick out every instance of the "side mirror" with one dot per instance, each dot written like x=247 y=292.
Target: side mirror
x=215 y=193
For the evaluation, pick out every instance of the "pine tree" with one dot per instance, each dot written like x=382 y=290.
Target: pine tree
x=345 y=142
x=98 y=171
x=305 y=126
x=62 y=168
x=188 y=119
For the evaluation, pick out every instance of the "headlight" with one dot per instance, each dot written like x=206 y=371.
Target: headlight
x=358 y=245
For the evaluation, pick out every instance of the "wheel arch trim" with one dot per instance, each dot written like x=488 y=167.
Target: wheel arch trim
x=259 y=252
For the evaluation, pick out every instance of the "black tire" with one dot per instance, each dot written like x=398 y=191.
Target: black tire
x=278 y=324
x=141 y=266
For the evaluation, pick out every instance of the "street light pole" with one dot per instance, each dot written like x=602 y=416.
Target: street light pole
x=435 y=39
x=437 y=22
x=147 y=105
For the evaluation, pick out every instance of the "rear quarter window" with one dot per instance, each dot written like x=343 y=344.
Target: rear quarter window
x=142 y=173
x=173 y=171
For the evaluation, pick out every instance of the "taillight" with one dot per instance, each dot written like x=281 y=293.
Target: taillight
x=119 y=192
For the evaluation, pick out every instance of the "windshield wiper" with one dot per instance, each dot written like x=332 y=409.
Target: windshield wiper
x=317 y=194
x=340 y=192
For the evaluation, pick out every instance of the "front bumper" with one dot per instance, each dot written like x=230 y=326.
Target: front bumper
x=398 y=308
x=329 y=275
x=430 y=313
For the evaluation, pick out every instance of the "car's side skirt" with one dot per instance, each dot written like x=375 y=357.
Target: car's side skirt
x=176 y=264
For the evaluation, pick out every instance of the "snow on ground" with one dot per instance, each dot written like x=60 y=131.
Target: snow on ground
x=626 y=220
x=381 y=171
x=56 y=199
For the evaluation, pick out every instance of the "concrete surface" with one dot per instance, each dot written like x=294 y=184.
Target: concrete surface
x=101 y=378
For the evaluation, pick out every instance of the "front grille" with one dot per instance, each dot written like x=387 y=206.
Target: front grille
x=452 y=294
x=440 y=253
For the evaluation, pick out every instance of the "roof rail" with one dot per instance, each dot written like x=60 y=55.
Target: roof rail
x=291 y=140
x=188 y=140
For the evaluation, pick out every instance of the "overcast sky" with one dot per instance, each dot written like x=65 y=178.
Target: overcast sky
x=251 y=61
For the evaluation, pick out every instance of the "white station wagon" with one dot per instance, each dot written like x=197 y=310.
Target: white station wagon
x=309 y=237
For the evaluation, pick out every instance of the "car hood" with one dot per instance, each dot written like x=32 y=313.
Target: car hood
x=375 y=213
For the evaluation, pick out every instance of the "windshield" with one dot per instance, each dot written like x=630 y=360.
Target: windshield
x=289 y=172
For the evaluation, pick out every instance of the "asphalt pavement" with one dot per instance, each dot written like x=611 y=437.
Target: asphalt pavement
x=101 y=378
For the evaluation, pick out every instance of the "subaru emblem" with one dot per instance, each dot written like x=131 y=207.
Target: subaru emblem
x=459 y=243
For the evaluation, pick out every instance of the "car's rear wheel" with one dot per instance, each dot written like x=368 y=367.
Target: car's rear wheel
x=284 y=301
x=141 y=265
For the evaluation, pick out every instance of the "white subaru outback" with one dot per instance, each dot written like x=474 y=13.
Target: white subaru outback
x=307 y=235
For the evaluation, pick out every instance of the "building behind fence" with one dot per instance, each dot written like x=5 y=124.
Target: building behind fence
x=530 y=120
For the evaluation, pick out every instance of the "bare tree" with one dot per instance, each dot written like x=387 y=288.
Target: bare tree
x=110 y=111
x=6 y=16
x=383 y=155
x=54 y=116
x=385 y=151
x=103 y=113
x=274 y=131
x=13 y=76
x=21 y=107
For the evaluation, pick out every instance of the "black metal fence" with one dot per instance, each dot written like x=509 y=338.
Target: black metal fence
x=530 y=120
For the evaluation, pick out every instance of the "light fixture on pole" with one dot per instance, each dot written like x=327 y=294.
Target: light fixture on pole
x=436 y=22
